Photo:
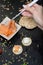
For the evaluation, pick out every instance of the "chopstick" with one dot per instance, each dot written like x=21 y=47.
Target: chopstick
x=32 y=3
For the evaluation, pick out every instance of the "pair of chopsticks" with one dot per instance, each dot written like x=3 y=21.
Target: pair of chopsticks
x=32 y=3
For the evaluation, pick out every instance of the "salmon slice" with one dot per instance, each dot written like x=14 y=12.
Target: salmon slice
x=12 y=25
x=3 y=29
x=8 y=29
x=16 y=48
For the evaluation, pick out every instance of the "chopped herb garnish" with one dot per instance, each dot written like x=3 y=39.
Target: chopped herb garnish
x=24 y=63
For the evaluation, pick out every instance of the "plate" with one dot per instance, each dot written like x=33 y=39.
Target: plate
x=6 y=21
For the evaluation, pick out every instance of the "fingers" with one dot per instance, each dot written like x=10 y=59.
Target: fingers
x=26 y=13
x=30 y=9
x=36 y=5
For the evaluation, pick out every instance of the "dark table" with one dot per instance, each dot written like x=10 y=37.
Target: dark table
x=31 y=55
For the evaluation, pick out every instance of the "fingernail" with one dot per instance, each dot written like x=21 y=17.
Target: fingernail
x=24 y=6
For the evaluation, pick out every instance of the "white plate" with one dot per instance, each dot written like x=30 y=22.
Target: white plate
x=5 y=21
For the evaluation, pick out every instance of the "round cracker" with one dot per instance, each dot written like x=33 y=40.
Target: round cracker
x=27 y=22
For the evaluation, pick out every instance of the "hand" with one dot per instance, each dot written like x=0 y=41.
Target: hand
x=35 y=11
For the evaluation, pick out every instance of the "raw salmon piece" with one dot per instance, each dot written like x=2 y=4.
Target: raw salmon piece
x=8 y=29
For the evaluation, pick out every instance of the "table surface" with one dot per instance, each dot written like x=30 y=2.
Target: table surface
x=31 y=55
